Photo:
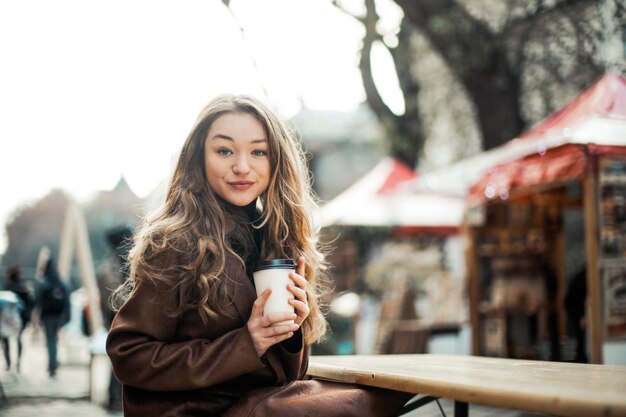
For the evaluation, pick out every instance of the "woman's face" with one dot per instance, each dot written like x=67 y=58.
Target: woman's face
x=236 y=160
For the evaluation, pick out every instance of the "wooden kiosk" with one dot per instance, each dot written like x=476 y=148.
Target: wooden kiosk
x=536 y=221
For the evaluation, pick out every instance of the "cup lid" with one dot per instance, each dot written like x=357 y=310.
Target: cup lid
x=276 y=264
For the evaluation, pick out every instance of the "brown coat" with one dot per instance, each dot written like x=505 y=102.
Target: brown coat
x=182 y=367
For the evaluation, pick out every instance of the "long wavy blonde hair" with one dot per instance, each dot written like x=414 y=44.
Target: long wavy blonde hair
x=185 y=243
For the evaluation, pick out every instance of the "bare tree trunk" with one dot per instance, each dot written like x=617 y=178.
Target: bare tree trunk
x=497 y=100
x=477 y=58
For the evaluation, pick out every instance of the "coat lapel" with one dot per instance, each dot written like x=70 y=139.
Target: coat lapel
x=240 y=290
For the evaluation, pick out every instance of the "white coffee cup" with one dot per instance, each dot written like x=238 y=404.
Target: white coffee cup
x=274 y=274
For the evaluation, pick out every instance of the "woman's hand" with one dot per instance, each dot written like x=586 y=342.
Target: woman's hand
x=263 y=334
x=298 y=289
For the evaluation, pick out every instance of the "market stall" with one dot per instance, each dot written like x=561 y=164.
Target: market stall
x=536 y=223
x=406 y=247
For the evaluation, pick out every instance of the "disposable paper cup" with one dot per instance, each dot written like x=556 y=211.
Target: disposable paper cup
x=274 y=274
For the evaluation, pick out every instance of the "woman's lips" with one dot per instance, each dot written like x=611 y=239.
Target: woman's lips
x=241 y=185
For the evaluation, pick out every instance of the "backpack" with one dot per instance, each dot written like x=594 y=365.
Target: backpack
x=55 y=298
x=10 y=321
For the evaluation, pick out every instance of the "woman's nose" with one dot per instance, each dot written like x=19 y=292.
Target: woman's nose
x=241 y=165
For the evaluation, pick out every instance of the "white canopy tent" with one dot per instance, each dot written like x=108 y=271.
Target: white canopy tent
x=379 y=199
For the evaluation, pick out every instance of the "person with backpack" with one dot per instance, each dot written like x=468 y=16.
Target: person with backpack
x=54 y=307
x=24 y=292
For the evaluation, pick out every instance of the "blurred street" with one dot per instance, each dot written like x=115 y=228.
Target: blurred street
x=31 y=392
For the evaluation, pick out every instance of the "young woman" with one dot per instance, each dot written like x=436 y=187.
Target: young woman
x=190 y=338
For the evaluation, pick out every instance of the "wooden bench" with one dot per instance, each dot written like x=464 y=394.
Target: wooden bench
x=563 y=389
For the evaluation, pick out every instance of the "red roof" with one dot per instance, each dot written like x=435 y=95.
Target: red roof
x=379 y=199
x=605 y=98
x=398 y=173
x=565 y=158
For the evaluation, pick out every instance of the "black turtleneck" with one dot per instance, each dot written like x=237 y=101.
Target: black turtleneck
x=248 y=246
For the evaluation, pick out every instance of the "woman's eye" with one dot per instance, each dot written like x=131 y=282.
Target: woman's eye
x=224 y=151
x=259 y=152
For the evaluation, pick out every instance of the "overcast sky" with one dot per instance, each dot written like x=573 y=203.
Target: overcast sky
x=92 y=90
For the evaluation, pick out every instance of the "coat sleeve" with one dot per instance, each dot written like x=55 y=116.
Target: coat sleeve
x=144 y=354
x=295 y=356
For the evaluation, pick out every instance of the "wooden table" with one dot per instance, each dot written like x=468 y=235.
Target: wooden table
x=564 y=389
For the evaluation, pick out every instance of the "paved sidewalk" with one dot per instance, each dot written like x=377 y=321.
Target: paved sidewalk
x=31 y=392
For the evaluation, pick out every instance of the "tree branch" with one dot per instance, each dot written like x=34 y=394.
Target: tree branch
x=463 y=41
x=365 y=65
x=339 y=6
x=402 y=133
x=541 y=8
x=253 y=60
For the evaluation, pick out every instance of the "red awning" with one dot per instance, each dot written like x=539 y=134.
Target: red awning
x=562 y=164
x=567 y=158
x=605 y=98
x=398 y=174
x=558 y=165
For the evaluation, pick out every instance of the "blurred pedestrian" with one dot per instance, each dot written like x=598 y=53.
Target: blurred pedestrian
x=111 y=274
x=191 y=337
x=113 y=271
x=54 y=310
x=575 y=306
x=25 y=294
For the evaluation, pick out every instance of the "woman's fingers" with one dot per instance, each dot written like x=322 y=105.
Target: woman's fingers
x=272 y=340
x=298 y=289
x=272 y=320
x=302 y=308
x=274 y=331
x=266 y=331
x=297 y=292
x=300 y=268
x=259 y=303
x=263 y=337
